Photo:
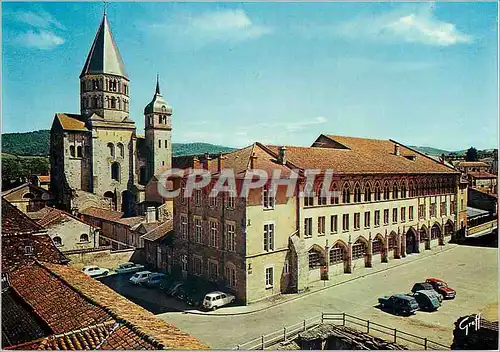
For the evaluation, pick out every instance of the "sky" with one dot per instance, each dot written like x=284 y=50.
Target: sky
x=423 y=74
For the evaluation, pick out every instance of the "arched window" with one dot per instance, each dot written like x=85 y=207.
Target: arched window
x=121 y=150
x=321 y=195
x=115 y=171
x=377 y=245
x=357 y=193
x=84 y=237
x=359 y=249
x=334 y=197
x=316 y=258
x=113 y=103
x=386 y=190
x=346 y=194
x=72 y=150
x=79 y=152
x=118 y=103
x=111 y=148
x=368 y=193
x=378 y=192
x=338 y=254
x=28 y=196
x=411 y=190
x=403 y=191
x=308 y=195
x=395 y=191
x=57 y=241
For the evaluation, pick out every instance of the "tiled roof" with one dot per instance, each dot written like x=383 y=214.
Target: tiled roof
x=141 y=321
x=15 y=221
x=19 y=324
x=71 y=122
x=481 y=174
x=352 y=155
x=44 y=178
x=61 y=307
x=471 y=164
x=47 y=216
x=37 y=215
x=14 y=256
x=105 y=214
x=132 y=221
x=158 y=232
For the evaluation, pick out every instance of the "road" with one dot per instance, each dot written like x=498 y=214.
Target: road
x=471 y=270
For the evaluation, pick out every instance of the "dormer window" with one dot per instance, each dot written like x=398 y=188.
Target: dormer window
x=28 y=250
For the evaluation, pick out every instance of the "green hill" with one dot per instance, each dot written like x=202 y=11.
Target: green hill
x=430 y=150
x=37 y=144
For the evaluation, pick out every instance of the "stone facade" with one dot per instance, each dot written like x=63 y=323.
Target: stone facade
x=98 y=150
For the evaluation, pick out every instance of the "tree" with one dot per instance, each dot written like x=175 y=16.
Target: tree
x=471 y=154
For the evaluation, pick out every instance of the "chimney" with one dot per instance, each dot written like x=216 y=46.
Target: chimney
x=282 y=155
x=396 y=149
x=206 y=160
x=252 y=158
x=150 y=215
x=220 y=162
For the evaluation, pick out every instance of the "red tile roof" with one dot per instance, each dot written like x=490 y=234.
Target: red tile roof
x=105 y=214
x=352 y=155
x=93 y=316
x=161 y=230
x=471 y=164
x=15 y=221
x=481 y=174
x=48 y=215
x=71 y=122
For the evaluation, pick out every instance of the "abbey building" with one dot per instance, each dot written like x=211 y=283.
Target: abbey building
x=97 y=158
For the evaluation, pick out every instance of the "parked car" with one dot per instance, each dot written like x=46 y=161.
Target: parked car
x=128 y=267
x=154 y=280
x=139 y=277
x=442 y=287
x=176 y=286
x=217 y=299
x=94 y=270
x=425 y=286
x=427 y=300
x=399 y=303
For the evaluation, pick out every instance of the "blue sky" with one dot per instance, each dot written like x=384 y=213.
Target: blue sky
x=282 y=73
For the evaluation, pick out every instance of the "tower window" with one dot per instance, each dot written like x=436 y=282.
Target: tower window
x=115 y=171
x=159 y=143
x=72 y=150
x=113 y=103
x=79 y=151
x=166 y=144
x=111 y=148
x=121 y=150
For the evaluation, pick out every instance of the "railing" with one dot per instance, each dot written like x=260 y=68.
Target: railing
x=482 y=227
x=290 y=332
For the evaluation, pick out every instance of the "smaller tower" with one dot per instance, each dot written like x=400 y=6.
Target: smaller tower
x=158 y=126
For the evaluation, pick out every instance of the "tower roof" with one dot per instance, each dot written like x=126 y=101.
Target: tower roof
x=104 y=56
x=158 y=103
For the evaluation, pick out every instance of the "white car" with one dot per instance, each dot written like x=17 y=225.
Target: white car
x=94 y=270
x=128 y=268
x=216 y=299
x=140 y=277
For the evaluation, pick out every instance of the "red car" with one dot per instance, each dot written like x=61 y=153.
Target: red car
x=442 y=287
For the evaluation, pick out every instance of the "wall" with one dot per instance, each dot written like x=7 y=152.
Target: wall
x=480 y=200
x=105 y=258
x=69 y=230
x=77 y=169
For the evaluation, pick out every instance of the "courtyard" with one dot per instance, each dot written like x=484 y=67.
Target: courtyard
x=471 y=270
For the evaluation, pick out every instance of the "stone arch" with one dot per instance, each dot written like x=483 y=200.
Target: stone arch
x=393 y=247
x=411 y=241
x=338 y=254
x=360 y=250
x=378 y=247
x=437 y=233
x=449 y=228
x=317 y=257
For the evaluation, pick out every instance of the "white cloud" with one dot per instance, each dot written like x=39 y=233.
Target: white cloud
x=42 y=39
x=300 y=125
x=209 y=27
x=416 y=25
x=39 y=19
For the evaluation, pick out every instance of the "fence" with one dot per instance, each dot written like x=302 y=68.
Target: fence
x=290 y=332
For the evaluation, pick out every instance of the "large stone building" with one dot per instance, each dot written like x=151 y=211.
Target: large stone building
x=389 y=201
x=97 y=152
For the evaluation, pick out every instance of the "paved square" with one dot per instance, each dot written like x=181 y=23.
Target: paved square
x=471 y=271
